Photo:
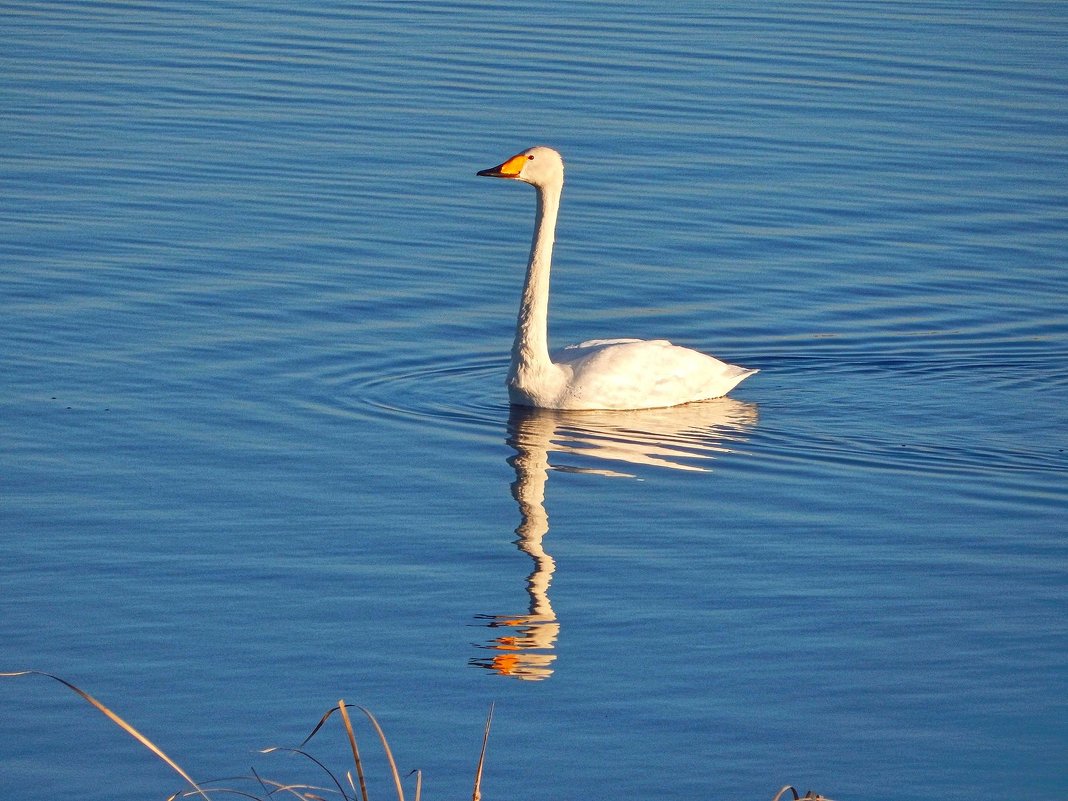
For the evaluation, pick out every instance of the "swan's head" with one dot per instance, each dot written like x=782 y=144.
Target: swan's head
x=539 y=166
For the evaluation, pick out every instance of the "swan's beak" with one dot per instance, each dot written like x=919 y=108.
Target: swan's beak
x=510 y=168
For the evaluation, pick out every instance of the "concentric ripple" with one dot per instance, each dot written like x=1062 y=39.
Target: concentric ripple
x=469 y=394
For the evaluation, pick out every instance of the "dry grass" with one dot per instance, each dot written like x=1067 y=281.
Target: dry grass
x=306 y=792
x=269 y=788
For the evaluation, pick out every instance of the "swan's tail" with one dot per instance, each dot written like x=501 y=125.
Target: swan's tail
x=736 y=375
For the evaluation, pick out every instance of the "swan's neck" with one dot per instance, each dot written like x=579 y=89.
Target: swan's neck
x=530 y=351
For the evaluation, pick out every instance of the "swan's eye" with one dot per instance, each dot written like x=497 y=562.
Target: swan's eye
x=530 y=157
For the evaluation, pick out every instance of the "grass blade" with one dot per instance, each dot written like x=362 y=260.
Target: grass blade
x=118 y=721
x=305 y=754
x=355 y=750
x=389 y=754
x=318 y=726
x=476 y=795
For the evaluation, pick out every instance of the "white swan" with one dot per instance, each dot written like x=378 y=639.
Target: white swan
x=601 y=373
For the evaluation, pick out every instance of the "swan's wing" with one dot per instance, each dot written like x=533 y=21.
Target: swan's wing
x=590 y=344
x=633 y=373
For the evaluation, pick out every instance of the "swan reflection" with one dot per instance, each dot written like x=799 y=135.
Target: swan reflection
x=602 y=443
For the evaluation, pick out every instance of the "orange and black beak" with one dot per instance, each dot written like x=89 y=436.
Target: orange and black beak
x=509 y=169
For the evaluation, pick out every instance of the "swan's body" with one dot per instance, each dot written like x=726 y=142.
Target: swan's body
x=603 y=373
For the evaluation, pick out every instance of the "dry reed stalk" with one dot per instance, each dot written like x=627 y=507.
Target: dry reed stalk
x=389 y=753
x=118 y=721
x=476 y=794
x=307 y=792
x=352 y=744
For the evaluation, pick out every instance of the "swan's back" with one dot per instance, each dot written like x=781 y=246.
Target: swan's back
x=637 y=374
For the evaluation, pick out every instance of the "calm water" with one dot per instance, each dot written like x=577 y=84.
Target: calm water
x=257 y=455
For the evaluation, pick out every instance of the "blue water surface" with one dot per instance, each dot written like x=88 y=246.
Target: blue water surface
x=257 y=454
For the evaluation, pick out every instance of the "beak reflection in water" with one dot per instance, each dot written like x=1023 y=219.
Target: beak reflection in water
x=603 y=443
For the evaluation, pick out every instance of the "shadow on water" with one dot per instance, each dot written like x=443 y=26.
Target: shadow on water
x=601 y=443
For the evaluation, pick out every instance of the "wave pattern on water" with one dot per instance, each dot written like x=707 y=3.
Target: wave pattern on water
x=257 y=311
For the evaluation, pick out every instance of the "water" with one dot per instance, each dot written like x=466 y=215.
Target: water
x=257 y=454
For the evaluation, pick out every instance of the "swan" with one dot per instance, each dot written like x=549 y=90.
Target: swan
x=600 y=373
